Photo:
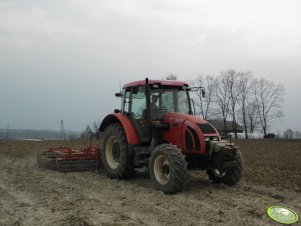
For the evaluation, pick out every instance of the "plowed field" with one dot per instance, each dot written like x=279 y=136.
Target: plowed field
x=33 y=196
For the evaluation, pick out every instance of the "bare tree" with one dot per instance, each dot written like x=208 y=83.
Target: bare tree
x=92 y=131
x=291 y=134
x=222 y=99
x=233 y=97
x=297 y=134
x=86 y=133
x=269 y=97
x=95 y=129
x=241 y=97
x=252 y=116
x=171 y=76
x=205 y=104
x=288 y=134
x=244 y=92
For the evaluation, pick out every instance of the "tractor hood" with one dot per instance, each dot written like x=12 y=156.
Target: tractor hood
x=194 y=122
x=189 y=132
x=184 y=117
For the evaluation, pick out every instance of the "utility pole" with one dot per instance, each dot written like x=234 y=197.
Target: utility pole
x=7 y=131
x=62 y=130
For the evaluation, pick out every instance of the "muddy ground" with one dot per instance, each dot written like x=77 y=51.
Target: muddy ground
x=33 y=196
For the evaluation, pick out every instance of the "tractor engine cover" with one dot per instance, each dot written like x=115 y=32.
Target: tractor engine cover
x=189 y=133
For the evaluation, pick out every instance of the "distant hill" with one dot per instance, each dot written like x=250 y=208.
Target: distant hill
x=20 y=134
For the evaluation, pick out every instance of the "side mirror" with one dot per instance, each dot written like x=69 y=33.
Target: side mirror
x=200 y=89
x=118 y=94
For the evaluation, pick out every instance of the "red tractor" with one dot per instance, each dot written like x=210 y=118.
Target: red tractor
x=156 y=128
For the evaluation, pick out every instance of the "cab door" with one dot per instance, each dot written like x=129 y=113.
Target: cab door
x=137 y=108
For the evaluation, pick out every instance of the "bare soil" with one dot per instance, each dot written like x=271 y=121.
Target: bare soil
x=33 y=196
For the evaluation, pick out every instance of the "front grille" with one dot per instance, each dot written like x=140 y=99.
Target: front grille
x=188 y=140
x=206 y=128
x=196 y=139
x=191 y=137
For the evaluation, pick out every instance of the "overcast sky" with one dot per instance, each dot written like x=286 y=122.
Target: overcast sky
x=63 y=59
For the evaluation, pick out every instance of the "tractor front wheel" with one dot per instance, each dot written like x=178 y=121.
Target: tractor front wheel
x=229 y=177
x=115 y=155
x=168 y=169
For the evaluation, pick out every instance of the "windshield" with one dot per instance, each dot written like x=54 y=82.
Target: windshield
x=171 y=99
x=163 y=99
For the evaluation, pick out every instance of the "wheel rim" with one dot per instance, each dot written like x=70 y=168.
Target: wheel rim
x=218 y=173
x=112 y=152
x=161 y=169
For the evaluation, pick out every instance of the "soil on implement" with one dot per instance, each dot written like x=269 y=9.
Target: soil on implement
x=30 y=195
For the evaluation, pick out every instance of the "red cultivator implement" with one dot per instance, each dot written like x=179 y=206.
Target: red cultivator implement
x=66 y=159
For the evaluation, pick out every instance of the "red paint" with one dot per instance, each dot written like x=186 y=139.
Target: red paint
x=129 y=129
x=200 y=134
x=179 y=124
x=191 y=118
x=69 y=154
x=174 y=134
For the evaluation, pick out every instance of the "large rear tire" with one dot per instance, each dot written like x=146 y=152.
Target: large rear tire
x=115 y=155
x=168 y=169
x=229 y=177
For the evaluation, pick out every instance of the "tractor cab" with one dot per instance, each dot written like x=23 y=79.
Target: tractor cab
x=148 y=101
x=164 y=96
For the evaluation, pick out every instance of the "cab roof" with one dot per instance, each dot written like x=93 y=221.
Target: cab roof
x=159 y=82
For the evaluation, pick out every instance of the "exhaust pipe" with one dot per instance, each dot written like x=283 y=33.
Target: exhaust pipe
x=148 y=102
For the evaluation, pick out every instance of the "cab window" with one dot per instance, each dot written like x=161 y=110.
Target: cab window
x=138 y=102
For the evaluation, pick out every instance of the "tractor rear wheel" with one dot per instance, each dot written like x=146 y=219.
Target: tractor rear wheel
x=229 y=177
x=115 y=155
x=168 y=169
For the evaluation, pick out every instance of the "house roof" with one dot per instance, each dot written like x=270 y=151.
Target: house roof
x=219 y=125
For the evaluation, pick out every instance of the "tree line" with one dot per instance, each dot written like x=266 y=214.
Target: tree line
x=91 y=131
x=291 y=134
x=241 y=98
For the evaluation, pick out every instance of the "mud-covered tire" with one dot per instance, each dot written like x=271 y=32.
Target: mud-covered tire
x=232 y=176
x=213 y=178
x=168 y=169
x=115 y=156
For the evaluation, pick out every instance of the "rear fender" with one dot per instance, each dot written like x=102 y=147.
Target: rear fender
x=129 y=129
